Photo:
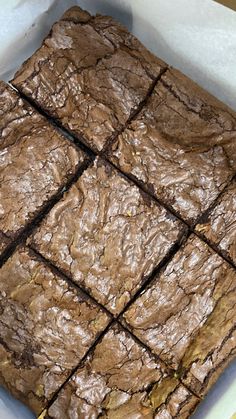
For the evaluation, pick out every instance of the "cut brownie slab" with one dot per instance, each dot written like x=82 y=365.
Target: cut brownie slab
x=181 y=147
x=90 y=74
x=189 y=310
x=46 y=327
x=120 y=379
x=219 y=226
x=35 y=163
x=107 y=235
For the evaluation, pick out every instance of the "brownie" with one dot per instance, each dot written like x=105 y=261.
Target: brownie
x=90 y=74
x=35 y=163
x=181 y=147
x=189 y=310
x=4 y=242
x=107 y=235
x=219 y=225
x=46 y=326
x=214 y=346
x=120 y=379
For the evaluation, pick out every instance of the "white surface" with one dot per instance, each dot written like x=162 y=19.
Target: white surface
x=196 y=36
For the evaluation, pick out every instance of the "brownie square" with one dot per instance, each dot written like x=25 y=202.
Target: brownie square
x=90 y=74
x=189 y=311
x=219 y=225
x=181 y=147
x=47 y=326
x=107 y=235
x=36 y=162
x=120 y=379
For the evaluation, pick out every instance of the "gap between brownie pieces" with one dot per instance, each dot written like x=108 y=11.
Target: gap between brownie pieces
x=79 y=138
x=25 y=232
x=73 y=371
x=201 y=220
x=79 y=141
x=170 y=371
x=192 y=227
x=82 y=143
x=182 y=238
x=173 y=373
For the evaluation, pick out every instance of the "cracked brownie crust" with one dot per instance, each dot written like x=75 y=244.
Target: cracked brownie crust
x=181 y=147
x=35 y=163
x=90 y=74
x=219 y=226
x=61 y=352
x=107 y=235
x=46 y=328
x=121 y=379
x=183 y=304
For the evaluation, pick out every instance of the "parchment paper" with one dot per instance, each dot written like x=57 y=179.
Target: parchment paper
x=196 y=36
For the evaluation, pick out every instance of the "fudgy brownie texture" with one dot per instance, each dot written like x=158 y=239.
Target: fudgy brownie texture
x=35 y=163
x=219 y=226
x=120 y=379
x=107 y=235
x=189 y=311
x=181 y=147
x=90 y=74
x=4 y=241
x=46 y=328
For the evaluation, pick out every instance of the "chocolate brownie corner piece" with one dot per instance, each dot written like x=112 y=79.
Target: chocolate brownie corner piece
x=107 y=235
x=181 y=147
x=219 y=225
x=120 y=379
x=90 y=74
x=46 y=327
x=191 y=300
x=35 y=163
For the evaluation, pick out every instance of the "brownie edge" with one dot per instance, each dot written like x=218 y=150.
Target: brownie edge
x=107 y=235
x=46 y=327
x=90 y=74
x=36 y=162
x=120 y=379
x=218 y=226
x=181 y=147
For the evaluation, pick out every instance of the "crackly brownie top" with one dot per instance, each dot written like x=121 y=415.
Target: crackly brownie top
x=219 y=226
x=196 y=286
x=121 y=379
x=107 y=235
x=90 y=74
x=215 y=344
x=35 y=162
x=182 y=146
x=46 y=328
